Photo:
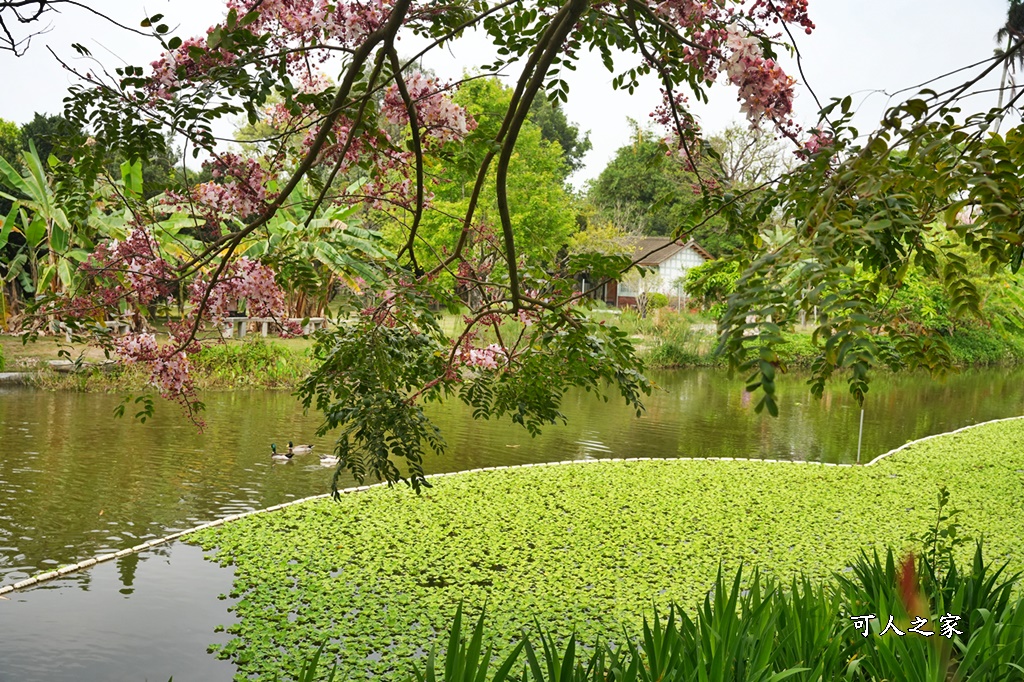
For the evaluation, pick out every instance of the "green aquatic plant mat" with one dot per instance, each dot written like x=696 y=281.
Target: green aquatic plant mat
x=378 y=575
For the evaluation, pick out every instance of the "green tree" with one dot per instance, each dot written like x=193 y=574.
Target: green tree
x=1011 y=32
x=853 y=208
x=52 y=134
x=10 y=149
x=39 y=217
x=645 y=191
x=639 y=189
x=925 y=199
x=10 y=140
x=542 y=214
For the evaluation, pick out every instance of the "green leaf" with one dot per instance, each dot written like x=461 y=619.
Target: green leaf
x=8 y=224
x=36 y=230
x=131 y=175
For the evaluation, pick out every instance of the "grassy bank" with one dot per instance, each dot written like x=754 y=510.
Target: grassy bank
x=254 y=363
x=589 y=547
x=667 y=339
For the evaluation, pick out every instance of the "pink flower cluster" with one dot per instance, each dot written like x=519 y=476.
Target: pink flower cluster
x=285 y=23
x=307 y=21
x=242 y=191
x=350 y=22
x=169 y=370
x=718 y=42
x=487 y=358
x=817 y=141
x=244 y=280
x=439 y=116
x=789 y=11
x=147 y=275
x=765 y=89
x=688 y=12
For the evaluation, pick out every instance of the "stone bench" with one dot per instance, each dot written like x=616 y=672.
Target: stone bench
x=116 y=327
x=237 y=327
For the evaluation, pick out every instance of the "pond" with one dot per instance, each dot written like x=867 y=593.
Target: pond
x=75 y=482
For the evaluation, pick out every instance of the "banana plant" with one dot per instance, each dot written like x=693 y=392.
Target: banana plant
x=49 y=237
x=311 y=259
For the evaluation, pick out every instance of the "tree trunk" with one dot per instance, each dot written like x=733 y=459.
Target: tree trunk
x=1002 y=83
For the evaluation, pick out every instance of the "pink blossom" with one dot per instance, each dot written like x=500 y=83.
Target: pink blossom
x=148 y=275
x=177 y=65
x=169 y=367
x=242 y=190
x=439 y=116
x=789 y=11
x=765 y=89
x=818 y=141
x=243 y=281
x=484 y=357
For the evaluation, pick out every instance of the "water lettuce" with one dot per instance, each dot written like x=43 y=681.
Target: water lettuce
x=588 y=547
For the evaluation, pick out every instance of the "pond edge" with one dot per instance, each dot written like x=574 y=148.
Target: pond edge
x=88 y=563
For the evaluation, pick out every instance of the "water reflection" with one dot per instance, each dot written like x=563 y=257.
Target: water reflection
x=126 y=566
x=76 y=482
x=79 y=628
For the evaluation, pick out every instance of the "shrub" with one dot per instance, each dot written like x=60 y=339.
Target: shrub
x=977 y=345
x=656 y=300
x=253 y=363
x=711 y=283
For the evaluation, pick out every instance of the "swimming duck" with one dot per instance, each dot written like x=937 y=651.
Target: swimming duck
x=299 y=449
x=280 y=456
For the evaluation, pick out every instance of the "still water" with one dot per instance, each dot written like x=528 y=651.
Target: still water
x=75 y=482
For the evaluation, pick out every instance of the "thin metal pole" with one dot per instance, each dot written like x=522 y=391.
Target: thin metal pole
x=860 y=436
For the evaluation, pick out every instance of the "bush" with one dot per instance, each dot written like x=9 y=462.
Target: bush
x=711 y=283
x=679 y=344
x=798 y=350
x=976 y=345
x=656 y=300
x=3 y=361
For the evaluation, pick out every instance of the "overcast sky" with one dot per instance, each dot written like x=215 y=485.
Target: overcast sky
x=866 y=48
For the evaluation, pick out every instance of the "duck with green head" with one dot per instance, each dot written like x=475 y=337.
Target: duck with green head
x=279 y=456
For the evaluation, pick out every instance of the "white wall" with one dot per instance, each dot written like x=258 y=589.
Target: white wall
x=672 y=268
x=677 y=266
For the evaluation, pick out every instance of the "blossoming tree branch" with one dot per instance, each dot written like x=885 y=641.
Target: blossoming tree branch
x=355 y=140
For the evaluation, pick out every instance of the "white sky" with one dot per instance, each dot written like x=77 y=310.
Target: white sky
x=860 y=47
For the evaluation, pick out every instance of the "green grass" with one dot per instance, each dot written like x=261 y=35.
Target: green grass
x=666 y=339
x=253 y=363
x=592 y=546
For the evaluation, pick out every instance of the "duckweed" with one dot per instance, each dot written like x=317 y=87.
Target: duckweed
x=378 y=575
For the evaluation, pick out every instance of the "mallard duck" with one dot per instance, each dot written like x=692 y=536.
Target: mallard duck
x=299 y=449
x=329 y=460
x=280 y=456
